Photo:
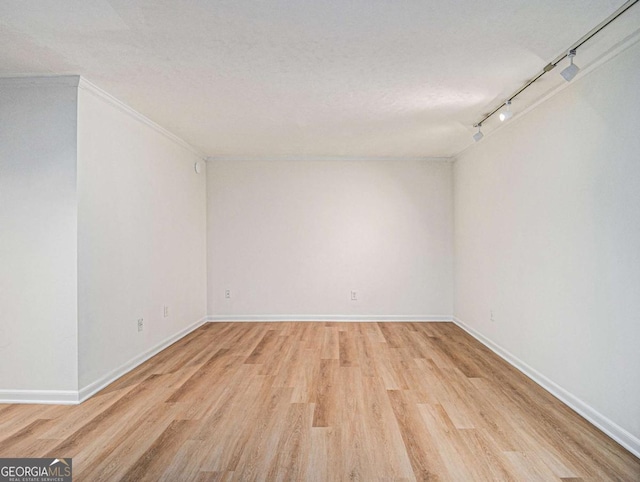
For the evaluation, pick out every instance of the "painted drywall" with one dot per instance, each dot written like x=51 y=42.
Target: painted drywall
x=547 y=237
x=306 y=78
x=38 y=249
x=294 y=238
x=141 y=236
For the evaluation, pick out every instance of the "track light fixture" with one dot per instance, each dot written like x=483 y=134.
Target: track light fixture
x=572 y=70
x=506 y=114
x=478 y=135
x=568 y=73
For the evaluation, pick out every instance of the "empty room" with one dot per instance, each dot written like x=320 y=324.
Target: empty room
x=319 y=240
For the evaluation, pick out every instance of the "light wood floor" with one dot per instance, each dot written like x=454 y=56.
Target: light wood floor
x=320 y=401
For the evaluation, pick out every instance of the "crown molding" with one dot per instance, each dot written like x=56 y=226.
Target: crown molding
x=70 y=80
x=87 y=86
x=330 y=158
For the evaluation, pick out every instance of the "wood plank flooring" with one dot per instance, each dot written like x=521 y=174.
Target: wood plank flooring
x=320 y=401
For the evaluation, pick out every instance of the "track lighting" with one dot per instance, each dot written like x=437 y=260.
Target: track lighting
x=506 y=114
x=570 y=72
x=478 y=135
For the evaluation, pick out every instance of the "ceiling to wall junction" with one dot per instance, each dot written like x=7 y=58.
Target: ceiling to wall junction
x=303 y=79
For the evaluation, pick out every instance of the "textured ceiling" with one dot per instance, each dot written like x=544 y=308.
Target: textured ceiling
x=304 y=79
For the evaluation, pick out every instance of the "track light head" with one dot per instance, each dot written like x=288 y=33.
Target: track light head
x=572 y=70
x=478 y=135
x=505 y=115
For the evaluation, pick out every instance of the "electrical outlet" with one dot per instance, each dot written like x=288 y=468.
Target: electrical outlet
x=227 y=294
x=354 y=296
x=140 y=324
x=166 y=311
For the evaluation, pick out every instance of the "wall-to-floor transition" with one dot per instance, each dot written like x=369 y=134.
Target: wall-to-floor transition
x=534 y=230
x=141 y=238
x=547 y=244
x=38 y=245
x=292 y=239
x=103 y=223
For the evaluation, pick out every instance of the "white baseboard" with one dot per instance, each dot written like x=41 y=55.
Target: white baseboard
x=74 y=397
x=110 y=377
x=345 y=318
x=613 y=430
x=56 y=397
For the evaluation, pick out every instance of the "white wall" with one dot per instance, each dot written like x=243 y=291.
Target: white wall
x=547 y=235
x=295 y=237
x=142 y=228
x=38 y=209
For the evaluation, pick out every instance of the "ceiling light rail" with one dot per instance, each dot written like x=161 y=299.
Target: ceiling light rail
x=568 y=73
